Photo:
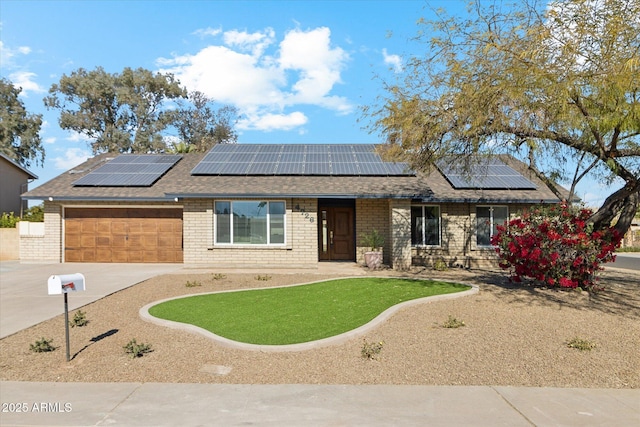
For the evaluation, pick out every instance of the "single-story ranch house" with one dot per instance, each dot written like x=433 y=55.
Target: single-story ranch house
x=276 y=205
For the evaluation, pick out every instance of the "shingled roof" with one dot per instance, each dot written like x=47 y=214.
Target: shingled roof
x=179 y=183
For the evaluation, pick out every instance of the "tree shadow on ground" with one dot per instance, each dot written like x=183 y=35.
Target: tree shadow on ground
x=95 y=340
x=620 y=296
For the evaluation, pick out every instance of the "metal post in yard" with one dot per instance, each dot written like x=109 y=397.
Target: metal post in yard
x=66 y=324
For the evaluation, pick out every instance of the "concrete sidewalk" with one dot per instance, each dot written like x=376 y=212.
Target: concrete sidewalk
x=153 y=404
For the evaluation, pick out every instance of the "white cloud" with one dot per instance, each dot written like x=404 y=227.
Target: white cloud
x=19 y=76
x=25 y=80
x=77 y=137
x=204 y=32
x=319 y=65
x=7 y=54
x=393 y=60
x=264 y=85
x=72 y=158
x=269 y=122
x=256 y=43
x=50 y=140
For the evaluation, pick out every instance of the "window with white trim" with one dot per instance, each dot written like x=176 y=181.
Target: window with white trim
x=488 y=218
x=249 y=222
x=425 y=225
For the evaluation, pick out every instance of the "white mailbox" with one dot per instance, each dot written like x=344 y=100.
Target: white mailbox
x=65 y=283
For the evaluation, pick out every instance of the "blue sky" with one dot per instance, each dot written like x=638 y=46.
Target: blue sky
x=298 y=71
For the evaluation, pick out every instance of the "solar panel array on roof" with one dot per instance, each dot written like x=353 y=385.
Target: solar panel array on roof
x=487 y=174
x=130 y=170
x=296 y=159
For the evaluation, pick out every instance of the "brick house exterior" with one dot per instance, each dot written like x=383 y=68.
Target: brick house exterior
x=182 y=217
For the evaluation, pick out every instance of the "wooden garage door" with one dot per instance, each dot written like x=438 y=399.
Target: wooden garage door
x=123 y=235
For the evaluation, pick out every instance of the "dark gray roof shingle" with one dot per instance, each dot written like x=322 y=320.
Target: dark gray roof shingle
x=178 y=182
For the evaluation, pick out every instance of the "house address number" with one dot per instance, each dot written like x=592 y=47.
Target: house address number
x=304 y=213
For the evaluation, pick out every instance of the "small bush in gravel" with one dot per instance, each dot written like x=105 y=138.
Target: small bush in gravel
x=452 y=322
x=193 y=284
x=581 y=344
x=42 y=345
x=137 y=350
x=79 y=319
x=371 y=350
x=440 y=265
x=219 y=276
x=263 y=278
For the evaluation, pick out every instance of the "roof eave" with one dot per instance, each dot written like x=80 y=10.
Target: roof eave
x=289 y=195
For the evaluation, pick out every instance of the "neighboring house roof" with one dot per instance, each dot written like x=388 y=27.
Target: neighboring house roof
x=29 y=174
x=179 y=182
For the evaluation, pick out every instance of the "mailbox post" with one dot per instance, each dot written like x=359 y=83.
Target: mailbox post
x=63 y=284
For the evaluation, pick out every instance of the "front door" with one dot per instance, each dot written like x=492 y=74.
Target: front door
x=335 y=231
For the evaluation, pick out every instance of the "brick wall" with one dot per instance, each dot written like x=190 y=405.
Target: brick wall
x=300 y=250
x=458 y=240
x=372 y=214
x=46 y=248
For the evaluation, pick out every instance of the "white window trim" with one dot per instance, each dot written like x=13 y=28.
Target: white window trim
x=491 y=207
x=439 y=245
x=248 y=245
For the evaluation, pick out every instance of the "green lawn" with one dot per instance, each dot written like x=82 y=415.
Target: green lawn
x=297 y=314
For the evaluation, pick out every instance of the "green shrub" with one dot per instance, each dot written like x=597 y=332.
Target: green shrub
x=79 y=319
x=452 y=323
x=440 y=265
x=42 y=345
x=8 y=220
x=137 y=350
x=34 y=214
x=581 y=344
x=372 y=240
x=371 y=350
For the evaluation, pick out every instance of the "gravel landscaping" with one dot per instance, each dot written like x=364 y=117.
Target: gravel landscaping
x=512 y=336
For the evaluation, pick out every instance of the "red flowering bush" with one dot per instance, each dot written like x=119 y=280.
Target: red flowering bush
x=555 y=246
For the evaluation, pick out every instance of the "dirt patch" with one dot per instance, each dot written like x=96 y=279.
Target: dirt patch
x=513 y=336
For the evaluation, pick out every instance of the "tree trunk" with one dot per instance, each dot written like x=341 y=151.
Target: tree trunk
x=624 y=203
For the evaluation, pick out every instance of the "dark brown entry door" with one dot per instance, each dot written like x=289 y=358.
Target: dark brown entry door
x=336 y=234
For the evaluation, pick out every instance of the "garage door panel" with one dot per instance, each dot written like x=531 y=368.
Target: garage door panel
x=87 y=255
x=87 y=241
x=103 y=241
x=88 y=226
x=135 y=256
x=123 y=235
x=103 y=226
x=73 y=255
x=103 y=255
x=119 y=241
x=73 y=226
x=119 y=227
x=119 y=256
x=149 y=241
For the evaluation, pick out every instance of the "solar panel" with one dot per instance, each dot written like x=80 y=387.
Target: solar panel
x=488 y=174
x=130 y=170
x=297 y=159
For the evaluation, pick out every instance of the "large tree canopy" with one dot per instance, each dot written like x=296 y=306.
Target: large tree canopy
x=555 y=83
x=19 y=130
x=200 y=126
x=117 y=112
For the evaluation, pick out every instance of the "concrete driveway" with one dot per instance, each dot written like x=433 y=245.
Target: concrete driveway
x=24 y=300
